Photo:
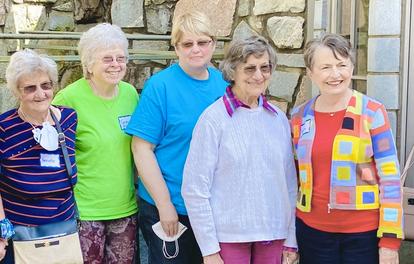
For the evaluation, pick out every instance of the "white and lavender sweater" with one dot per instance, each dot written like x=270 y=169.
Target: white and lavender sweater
x=239 y=180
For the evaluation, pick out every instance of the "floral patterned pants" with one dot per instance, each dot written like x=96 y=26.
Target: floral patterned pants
x=109 y=241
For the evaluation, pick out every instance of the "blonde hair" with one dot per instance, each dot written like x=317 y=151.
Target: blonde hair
x=194 y=22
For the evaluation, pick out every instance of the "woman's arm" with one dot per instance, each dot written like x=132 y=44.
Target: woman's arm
x=3 y=242
x=213 y=259
x=197 y=182
x=290 y=254
x=291 y=182
x=151 y=176
x=388 y=256
x=386 y=161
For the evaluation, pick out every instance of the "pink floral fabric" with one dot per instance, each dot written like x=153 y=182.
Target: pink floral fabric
x=109 y=241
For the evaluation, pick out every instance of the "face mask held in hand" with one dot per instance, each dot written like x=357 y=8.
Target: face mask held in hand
x=157 y=228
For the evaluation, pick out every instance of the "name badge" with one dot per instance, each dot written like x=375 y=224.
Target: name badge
x=306 y=127
x=49 y=160
x=123 y=121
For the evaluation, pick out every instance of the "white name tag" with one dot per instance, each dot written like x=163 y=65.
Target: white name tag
x=123 y=121
x=306 y=127
x=49 y=160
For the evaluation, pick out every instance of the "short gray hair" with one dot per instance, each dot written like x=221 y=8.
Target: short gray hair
x=336 y=43
x=99 y=37
x=240 y=50
x=26 y=62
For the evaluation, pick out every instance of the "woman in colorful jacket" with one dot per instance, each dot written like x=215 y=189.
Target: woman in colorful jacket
x=349 y=200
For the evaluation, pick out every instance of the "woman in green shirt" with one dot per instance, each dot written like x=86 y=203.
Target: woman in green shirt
x=105 y=191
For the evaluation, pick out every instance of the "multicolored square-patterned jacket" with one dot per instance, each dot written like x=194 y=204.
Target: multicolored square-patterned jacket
x=364 y=171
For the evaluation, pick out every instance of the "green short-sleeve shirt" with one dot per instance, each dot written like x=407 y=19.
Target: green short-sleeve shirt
x=105 y=188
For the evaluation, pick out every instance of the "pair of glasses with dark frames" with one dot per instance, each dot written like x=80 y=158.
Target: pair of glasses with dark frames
x=265 y=69
x=45 y=86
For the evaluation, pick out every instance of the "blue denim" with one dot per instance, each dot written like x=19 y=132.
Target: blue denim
x=319 y=247
x=138 y=252
x=189 y=250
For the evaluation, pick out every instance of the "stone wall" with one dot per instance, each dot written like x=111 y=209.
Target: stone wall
x=383 y=80
x=282 y=22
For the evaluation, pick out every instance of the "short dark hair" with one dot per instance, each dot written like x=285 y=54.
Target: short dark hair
x=239 y=50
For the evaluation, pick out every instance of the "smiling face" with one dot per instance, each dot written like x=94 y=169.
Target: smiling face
x=331 y=74
x=109 y=67
x=194 y=51
x=252 y=78
x=35 y=100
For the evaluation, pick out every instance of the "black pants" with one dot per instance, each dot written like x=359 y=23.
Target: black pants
x=189 y=252
x=319 y=247
x=9 y=258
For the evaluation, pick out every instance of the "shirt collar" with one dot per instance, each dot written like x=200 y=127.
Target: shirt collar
x=232 y=103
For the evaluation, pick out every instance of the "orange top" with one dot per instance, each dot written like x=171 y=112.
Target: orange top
x=334 y=220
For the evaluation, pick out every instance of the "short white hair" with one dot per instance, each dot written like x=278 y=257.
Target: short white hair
x=100 y=37
x=26 y=62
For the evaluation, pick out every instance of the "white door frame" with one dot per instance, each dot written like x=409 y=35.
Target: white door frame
x=407 y=86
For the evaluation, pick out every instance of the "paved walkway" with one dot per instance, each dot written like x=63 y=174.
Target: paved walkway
x=407 y=253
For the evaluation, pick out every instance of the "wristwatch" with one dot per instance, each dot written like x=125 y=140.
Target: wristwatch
x=6 y=229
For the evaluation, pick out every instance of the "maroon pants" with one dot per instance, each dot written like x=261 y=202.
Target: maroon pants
x=109 y=241
x=253 y=252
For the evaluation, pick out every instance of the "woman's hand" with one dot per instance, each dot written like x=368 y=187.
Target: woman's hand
x=168 y=218
x=289 y=257
x=3 y=245
x=213 y=259
x=388 y=256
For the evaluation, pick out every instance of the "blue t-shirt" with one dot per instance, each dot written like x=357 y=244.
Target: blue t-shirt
x=167 y=112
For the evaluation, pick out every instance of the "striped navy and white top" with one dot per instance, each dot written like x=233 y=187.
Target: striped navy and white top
x=33 y=181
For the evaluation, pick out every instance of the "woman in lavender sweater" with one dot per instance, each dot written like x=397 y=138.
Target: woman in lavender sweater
x=239 y=183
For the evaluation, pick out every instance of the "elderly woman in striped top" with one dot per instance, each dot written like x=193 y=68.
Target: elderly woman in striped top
x=239 y=182
x=33 y=182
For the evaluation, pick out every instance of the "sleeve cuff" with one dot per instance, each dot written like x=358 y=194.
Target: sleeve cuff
x=390 y=242
x=211 y=250
x=289 y=249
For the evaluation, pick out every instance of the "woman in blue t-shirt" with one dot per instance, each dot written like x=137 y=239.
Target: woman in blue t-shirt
x=171 y=102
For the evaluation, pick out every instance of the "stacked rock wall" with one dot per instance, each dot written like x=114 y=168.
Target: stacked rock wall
x=282 y=22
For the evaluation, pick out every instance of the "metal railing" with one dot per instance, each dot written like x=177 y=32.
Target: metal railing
x=134 y=54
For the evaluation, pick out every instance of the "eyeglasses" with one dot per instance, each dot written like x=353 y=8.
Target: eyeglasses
x=29 y=89
x=110 y=59
x=264 y=69
x=202 y=44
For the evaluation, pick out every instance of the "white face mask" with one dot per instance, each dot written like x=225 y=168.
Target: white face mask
x=157 y=228
x=47 y=137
